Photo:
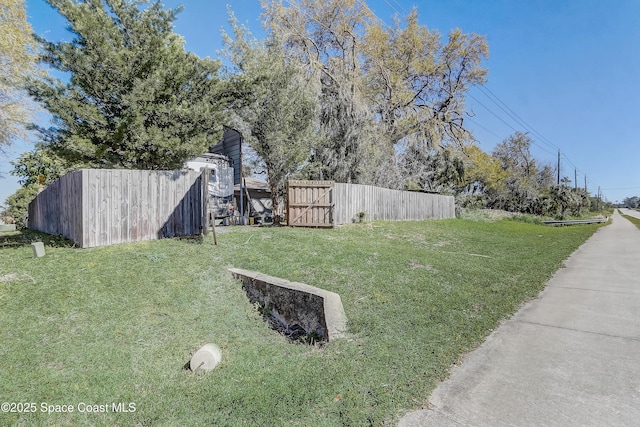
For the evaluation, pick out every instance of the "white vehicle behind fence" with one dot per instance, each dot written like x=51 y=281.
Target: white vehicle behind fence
x=220 y=181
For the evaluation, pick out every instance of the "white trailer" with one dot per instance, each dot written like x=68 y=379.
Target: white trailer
x=220 y=181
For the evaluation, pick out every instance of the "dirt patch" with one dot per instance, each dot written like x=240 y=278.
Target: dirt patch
x=415 y=265
x=15 y=277
x=486 y=215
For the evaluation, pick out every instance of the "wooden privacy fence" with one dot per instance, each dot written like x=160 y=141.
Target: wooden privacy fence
x=325 y=203
x=98 y=207
x=389 y=205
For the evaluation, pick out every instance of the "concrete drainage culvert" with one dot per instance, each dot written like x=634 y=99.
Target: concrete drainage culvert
x=297 y=310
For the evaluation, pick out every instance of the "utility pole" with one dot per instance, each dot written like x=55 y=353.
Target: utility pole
x=575 y=180
x=558 y=166
x=585 y=184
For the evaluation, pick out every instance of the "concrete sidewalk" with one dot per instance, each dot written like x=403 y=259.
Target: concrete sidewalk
x=569 y=358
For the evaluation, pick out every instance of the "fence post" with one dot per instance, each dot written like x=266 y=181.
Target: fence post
x=204 y=197
x=287 y=214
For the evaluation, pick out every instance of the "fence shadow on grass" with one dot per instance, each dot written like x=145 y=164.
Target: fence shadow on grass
x=20 y=238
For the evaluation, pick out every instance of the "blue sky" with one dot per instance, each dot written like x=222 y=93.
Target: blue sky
x=564 y=70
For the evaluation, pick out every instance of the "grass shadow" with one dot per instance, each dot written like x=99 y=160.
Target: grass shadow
x=195 y=239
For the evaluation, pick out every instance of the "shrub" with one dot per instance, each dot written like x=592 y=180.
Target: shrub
x=18 y=204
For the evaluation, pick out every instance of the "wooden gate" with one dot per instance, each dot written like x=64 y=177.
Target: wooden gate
x=310 y=203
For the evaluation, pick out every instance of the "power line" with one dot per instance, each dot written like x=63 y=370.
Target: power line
x=503 y=121
x=483 y=88
x=497 y=101
x=392 y=7
x=479 y=125
x=491 y=111
x=570 y=162
x=521 y=121
x=504 y=107
x=401 y=7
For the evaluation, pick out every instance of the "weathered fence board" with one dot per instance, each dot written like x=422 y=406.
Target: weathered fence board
x=97 y=207
x=62 y=211
x=388 y=205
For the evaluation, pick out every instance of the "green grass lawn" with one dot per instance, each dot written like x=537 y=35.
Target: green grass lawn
x=117 y=324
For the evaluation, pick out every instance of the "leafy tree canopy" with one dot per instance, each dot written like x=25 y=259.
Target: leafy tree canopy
x=40 y=166
x=631 y=202
x=436 y=170
x=17 y=60
x=18 y=204
x=483 y=172
x=379 y=86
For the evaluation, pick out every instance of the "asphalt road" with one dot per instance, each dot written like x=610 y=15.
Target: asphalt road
x=631 y=212
x=569 y=358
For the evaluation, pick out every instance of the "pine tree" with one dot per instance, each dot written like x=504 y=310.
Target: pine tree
x=134 y=98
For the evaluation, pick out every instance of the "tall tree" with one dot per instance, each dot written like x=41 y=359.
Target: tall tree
x=17 y=60
x=546 y=176
x=380 y=86
x=631 y=202
x=514 y=154
x=417 y=83
x=134 y=98
x=326 y=37
x=277 y=108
